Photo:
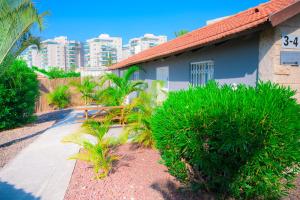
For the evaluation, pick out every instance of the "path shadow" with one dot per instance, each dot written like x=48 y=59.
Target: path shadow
x=9 y=192
x=53 y=116
x=170 y=191
x=68 y=119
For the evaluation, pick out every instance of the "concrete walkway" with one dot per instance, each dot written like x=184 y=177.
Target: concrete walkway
x=41 y=170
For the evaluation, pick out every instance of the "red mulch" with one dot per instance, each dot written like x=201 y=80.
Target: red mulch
x=295 y=193
x=136 y=176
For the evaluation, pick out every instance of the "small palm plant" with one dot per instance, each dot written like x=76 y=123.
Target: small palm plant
x=121 y=87
x=96 y=151
x=140 y=112
x=86 y=88
x=59 y=97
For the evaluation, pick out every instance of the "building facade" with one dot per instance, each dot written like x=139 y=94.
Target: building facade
x=137 y=45
x=102 y=51
x=236 y=50
x=58 y=52
x=32 y=56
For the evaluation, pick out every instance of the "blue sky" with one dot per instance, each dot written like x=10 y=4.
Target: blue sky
x=83 y=19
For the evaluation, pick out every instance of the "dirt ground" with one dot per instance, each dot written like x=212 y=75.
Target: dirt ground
x=136 y=176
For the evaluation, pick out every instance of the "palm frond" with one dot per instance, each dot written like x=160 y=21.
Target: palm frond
x=16 y=19
x=140 y=112
x=129 y=72
x=25 y=41
x=81 y=156
x=76 y=138
x=114 y=79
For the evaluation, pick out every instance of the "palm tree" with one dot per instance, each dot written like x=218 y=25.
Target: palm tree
x=96 y=152
x=86 y=88
x=140 y=113
x=180 y=33
x=16 y=19
x=120 y=87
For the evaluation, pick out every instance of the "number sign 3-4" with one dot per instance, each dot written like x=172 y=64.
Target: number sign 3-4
x=291 y=41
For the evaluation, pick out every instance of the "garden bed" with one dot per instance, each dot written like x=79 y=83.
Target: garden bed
x=295 y=194
x=137 y=175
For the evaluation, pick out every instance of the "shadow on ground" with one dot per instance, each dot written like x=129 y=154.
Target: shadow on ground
x=9 y=192
x=170 y=191
x=22 y=139
x=55 y=116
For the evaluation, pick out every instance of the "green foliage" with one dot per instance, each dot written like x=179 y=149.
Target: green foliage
x=181 y=33
x=86 y=88
x=19 y=89
x=241 y=143
x=120 y=87
x=16 y=20
x=140 y=112
x=55 y=72
x=59 y=97
x=95 y=151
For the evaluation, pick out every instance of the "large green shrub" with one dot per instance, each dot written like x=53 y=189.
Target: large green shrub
x=241 y=143
x=19 y=90
x=59 y=97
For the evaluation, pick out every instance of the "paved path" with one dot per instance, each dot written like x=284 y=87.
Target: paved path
x=41 y=170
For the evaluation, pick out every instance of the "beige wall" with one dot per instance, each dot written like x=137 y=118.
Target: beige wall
x=269 y=56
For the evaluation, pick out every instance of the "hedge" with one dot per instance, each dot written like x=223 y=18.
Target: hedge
x=241 y=143
x=55 y=72
x=19 y=90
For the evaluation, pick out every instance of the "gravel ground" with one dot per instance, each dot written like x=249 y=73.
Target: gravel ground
x=295 y=194
x=137 y=176
x=13 y=141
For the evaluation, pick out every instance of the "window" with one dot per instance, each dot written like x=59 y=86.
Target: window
x=201 y=72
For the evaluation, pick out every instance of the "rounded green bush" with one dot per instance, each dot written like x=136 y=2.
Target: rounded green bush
x=19 y=90
x=241 y=143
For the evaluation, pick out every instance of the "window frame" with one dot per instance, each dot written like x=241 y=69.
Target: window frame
x=201 y=76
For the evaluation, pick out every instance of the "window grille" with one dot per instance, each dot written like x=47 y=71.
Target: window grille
x=201 y=72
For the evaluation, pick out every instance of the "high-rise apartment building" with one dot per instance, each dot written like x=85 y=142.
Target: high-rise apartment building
x=58 y=52
x=102 y=51
x=137 y=45
x=32 y=56
x=96 y=53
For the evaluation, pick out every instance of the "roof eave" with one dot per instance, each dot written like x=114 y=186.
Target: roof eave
x=236 y=35
x=285 y=14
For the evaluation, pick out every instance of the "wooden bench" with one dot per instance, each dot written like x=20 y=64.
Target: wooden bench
x=99 y=112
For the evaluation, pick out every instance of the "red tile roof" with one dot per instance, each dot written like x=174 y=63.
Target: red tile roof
x=217 y=31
